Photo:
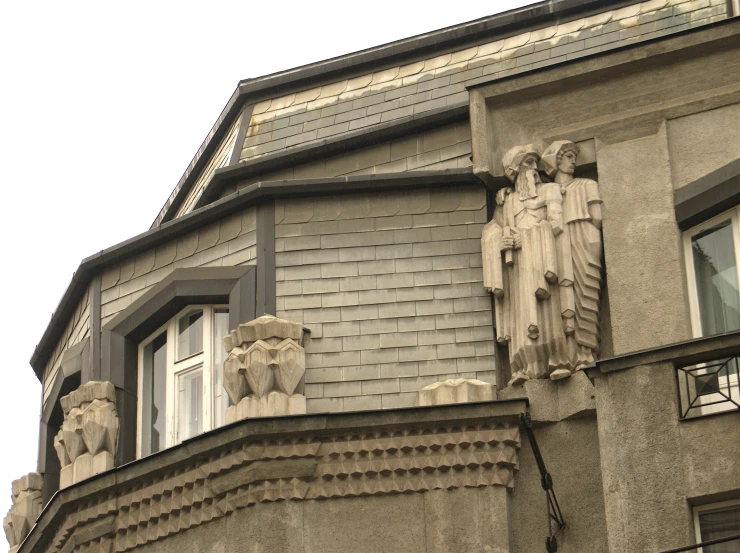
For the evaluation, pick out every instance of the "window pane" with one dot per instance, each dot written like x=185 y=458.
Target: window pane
x=720 y=524
x=716 y=279
x=189 y=386
x=190 y=334
x=153 y=407
x=220 y=397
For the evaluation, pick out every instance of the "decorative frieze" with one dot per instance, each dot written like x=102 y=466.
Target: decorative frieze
x=264 y=371
x=457 y=390
x=86 y=444
x=313 y=466
x=542 y=263
x=26 y=508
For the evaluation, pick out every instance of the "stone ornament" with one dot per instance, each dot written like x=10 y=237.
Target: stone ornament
x=321 y=466
x=265 y=369
x=25 y=509
x=542 y=263
x=458 y=390
x=86 y=444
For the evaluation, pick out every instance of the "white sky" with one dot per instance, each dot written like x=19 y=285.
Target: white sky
x=102 y=107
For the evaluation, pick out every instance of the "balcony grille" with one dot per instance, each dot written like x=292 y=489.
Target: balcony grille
x=709 y=388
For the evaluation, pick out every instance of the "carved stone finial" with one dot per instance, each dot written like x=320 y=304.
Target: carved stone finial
x=458 y=390
x=264 y=371
x=86 y=444
x=26 y=508
x=542 y=262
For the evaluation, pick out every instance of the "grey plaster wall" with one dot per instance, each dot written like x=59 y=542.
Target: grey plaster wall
x=655 y=466
x=462 y=520
x=642 y=245
x=390 y=286
x=570 y=449
x=703 y=142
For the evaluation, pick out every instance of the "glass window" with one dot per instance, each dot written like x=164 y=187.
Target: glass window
x=712 y=252
x=181 y=380
x=190 y=334
x=715 y=269
x=720 y=520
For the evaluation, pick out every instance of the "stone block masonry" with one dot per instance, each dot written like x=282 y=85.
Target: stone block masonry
x=390 y=287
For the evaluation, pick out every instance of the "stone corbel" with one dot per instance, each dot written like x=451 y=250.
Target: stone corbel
x=265 y=369
x=24 y=511
x=86 y=444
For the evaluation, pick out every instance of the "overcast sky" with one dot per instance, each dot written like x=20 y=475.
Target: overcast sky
x=102 y=107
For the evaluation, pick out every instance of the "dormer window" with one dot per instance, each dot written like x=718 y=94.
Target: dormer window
x=180 y=378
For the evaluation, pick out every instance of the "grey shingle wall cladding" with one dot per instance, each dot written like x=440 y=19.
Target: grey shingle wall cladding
x=228 y=242
x=77 y=329
x=439 y=82
x=446 y=147
x=390 y=286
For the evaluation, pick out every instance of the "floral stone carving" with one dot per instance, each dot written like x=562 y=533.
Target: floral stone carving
x=265 y=369
x=26 y=508
x=458 y=390
x=542 y=262
x=86 y=444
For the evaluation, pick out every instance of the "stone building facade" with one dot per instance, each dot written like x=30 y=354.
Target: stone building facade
x=373 y=317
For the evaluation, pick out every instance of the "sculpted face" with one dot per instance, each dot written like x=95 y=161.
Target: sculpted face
x=567 y=163
x=528 y=163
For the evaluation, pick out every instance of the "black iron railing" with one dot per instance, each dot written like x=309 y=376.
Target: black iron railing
x=709 y=388
x=707 y=546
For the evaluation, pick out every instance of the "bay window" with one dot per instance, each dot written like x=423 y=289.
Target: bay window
x=180 y=378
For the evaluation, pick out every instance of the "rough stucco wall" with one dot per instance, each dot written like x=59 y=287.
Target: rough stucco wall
x=462 y=520
x=229 y=242
x=438 y=82
x=715 y=439
x=703 y=142
x=641 y=460
x=390 y=286
x=77 y=329
x=642 y=245
x=570 y=449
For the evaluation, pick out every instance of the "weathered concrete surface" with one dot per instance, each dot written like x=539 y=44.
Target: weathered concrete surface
x=703 y=142
x=642 y=244
x=570 y=450
x=555 y=401
x=641 y=461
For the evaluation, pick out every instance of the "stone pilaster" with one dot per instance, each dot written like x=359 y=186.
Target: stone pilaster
x=24 y=511
x=86 y=444
x=265 y=369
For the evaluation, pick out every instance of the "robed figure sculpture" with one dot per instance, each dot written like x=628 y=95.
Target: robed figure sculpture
x=542 y=262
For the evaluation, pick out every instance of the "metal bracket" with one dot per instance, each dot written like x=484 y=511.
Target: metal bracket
x=553 y=508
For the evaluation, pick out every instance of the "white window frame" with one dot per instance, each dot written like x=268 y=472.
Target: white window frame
x=734 y=216
x=204 y=359
x=709 y=508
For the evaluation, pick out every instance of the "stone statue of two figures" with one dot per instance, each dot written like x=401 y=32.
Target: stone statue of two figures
x=542 y=262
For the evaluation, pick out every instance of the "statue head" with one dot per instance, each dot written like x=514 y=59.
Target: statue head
x=560 y=156
x=520 y=166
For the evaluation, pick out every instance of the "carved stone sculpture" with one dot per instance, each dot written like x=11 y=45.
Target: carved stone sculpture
x=529 y=266
x=264 y=371
x=458 y=390
x=86 y=444
x=26 y=508
x=580 y=248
